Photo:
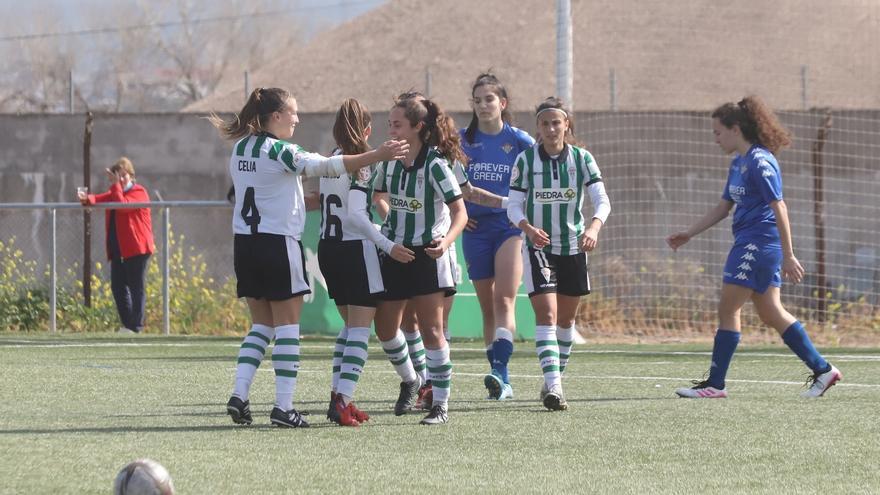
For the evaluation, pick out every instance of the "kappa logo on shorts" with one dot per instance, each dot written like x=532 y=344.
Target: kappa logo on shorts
x=748 y=257
x=741 y=276
x=751 y=247
x=745 y=266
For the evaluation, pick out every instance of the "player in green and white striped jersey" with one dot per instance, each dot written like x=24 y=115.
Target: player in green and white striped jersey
x=267 y=222
x=547 y=188
x=426 y=215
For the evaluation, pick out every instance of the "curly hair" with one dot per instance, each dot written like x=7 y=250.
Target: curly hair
x=757 y=122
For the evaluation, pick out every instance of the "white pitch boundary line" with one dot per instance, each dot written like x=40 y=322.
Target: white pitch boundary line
x=604 y=377
x=34 y=344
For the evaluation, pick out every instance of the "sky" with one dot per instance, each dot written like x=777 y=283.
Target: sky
x=323 y=14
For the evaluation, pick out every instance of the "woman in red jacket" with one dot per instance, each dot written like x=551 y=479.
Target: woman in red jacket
x=129 y=243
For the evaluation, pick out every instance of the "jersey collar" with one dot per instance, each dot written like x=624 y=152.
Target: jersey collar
x=563 y=155
x=420 y=160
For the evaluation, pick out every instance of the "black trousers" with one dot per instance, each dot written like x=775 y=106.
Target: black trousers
x=128 y=283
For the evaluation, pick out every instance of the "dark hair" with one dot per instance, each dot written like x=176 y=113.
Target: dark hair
x=756 y=121
x=487 y=79
x=438 y=129
x=252 y=117
x=352 y=119
x=555 y=103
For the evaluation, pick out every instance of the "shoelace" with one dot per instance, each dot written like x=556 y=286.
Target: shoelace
x=812 y=379
x=437 y=411
x=295 y=417
x=700 y=384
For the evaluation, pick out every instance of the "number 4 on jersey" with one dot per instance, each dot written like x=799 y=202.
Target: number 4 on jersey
x=249 y=211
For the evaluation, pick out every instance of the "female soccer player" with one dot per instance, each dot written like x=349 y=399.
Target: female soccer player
x=547 y=186
x=349 y=261
x=268 y=221
x=762 y=246
x=426 y=215
x=492 y=245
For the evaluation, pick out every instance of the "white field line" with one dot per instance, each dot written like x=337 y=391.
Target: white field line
x=602 y=377
x=749 y=355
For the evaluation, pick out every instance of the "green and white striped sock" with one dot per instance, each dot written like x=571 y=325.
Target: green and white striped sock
x=285 y=360
x=338 y=351
x=417 y=353
x=548 y=354
x=440 y=373
x=565 y=340
x=397 y=353
x=353 y=360
x=250 y=355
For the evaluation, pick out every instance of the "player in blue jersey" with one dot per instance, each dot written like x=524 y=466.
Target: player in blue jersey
x=762 y=248
x=492 y=245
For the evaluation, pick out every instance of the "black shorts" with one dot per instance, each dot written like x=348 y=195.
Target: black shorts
x=269 y=266
x=552 y=273
x=352 y=272
x=424 y=275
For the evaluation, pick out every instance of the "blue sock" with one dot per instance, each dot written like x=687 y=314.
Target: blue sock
x=795 y=337
x=490 y=354
x=502 y=350
x=722 y=352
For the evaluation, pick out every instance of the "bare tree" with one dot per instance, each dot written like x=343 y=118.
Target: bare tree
x=157 y=55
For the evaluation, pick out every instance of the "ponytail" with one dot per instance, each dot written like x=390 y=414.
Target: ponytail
x=252 y=117
x=352 y=120
x=438 y=127
x=757 y=122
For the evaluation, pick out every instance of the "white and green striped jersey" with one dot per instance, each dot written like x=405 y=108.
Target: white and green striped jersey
x=266 y=173
x=554 y=189
x=336 y=224
x=417 y=197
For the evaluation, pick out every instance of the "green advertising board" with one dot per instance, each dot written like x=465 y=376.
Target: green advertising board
x=319 y=314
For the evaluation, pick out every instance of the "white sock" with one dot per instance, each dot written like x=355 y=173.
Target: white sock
x=417 y=353
x=250 y=355
x=440 y=373
x=353 y=361
x=565 y=339
x=338 y=351
x=285 y=360
x=548 y=354
x=397 y=353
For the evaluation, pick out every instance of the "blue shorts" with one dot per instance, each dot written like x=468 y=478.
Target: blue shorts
x=754 y=265
x=481 y=245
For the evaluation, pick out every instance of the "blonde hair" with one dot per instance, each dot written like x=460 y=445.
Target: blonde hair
x=123 y=164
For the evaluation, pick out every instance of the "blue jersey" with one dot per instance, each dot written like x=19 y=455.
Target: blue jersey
x=491 y=159
x=754 y=181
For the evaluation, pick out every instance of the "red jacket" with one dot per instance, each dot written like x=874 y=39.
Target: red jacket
x=134 y=226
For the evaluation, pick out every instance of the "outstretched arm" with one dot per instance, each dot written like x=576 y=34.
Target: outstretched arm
x=713 y=216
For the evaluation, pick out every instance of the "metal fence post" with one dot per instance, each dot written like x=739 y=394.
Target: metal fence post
x=53 y=278
x=166 y=251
